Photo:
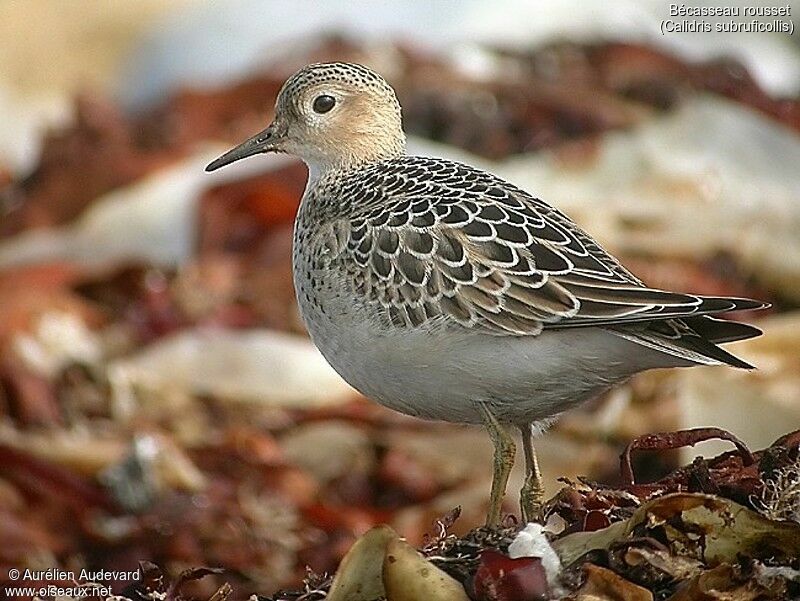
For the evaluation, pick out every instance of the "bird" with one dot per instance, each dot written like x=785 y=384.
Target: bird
x=444 y=292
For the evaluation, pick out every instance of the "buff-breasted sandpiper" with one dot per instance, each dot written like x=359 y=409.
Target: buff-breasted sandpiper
x=444 y=292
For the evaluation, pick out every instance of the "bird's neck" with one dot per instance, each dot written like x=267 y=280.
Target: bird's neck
x=353 y=156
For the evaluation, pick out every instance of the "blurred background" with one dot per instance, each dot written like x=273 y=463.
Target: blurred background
x=159 y=399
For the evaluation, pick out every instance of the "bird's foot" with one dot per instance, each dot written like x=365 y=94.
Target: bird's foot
x=531 y=498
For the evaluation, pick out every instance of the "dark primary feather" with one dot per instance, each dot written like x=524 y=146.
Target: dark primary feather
x=434 y=240
x=720 y=331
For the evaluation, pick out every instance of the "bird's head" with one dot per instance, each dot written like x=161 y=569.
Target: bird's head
x=331 y=115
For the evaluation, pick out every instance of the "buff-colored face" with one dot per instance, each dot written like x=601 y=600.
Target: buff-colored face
x=331 y=115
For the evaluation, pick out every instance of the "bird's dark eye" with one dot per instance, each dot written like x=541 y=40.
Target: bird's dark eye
x=324 y=103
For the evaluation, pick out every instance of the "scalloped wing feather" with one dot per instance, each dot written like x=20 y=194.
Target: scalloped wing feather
x=444 y=241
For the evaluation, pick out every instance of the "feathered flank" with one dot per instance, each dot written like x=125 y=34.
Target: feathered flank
x=433 y=240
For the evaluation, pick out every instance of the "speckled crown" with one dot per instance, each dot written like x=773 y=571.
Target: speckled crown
x=317 y=73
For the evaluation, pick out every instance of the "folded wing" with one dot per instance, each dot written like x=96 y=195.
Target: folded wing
x=465 y=248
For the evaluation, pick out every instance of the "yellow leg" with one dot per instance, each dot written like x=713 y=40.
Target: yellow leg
x=531 y=496
x=504 y=450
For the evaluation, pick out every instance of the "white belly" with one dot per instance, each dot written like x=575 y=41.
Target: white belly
x=443 y=375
